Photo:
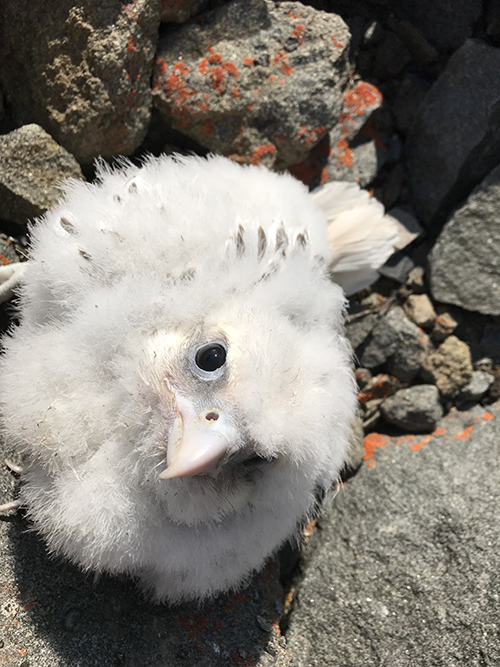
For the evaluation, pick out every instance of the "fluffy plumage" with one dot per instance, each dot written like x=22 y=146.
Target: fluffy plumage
x=109 y=381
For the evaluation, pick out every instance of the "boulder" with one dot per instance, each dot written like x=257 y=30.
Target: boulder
x=258 y=81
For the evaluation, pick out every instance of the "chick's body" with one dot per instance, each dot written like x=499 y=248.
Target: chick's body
x=132 y=279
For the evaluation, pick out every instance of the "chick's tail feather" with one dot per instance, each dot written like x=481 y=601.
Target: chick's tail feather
x=361 y=237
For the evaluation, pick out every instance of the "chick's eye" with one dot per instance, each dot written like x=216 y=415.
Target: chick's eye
x=210 y=357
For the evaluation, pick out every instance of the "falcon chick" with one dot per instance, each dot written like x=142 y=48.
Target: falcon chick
x=179 y=386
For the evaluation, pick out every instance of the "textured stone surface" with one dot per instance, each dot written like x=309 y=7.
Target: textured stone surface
x=350 y=152
x=445 y=24
x=420 y=310
x=465 y=262
x=477 y=386
x=404 y=571
x=397 y=343
x=85 y=70
x=258 y=81
x=416 y=409
x=455 y=140
x=32 y=165
x=449 y=367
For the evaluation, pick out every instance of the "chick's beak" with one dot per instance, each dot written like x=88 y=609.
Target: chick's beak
x=198 y=440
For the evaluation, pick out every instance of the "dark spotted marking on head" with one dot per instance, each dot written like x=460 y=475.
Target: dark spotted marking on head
x=261 y=243
x=281 y=240
x=84 y=254
x=240 y=241
x=67 y=225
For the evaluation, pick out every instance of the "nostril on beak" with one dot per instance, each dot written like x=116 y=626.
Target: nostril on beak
x=212 y=416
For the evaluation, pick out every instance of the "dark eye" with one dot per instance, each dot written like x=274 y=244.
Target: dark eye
x=210 y=357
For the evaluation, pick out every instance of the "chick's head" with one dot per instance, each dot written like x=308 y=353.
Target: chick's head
x=231 y=381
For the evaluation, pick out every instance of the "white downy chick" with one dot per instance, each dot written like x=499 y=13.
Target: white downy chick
x=179 y=386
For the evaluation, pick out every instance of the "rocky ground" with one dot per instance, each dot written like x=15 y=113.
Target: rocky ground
x=402 y=569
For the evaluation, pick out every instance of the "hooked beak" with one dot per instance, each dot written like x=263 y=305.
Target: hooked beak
x=197 y=440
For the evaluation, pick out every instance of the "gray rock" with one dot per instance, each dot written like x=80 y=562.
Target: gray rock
x=416 y=409
x=397 y=343
x=444 y=326
x=397 y=267
x=81 y=70
x=465 y=262
x=449 y=367
x=32 y=165
x=444 y=161
x=490 y=343
x=404 y=571
x=410 y=95
x=408 y=225
x=350 y=152
x=358 y=329
x=445 y=24
x=420 y=310
x=257 y=81
x=477 y=386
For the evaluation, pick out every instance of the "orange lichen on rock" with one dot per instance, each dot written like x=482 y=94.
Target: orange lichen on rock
x=262 y=150
x=4 y=260
x=371 y=442
x=131 y=46
x=286 y=69
x=344 y=154
x=487 y=416
x=465 y=434
x=337 y=44
x=298 y=33
x=362 y=97
x=415 y=446
x=248 y=62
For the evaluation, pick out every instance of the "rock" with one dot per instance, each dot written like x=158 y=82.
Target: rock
x=178 y=11
x=357 y=160
x=363 y=377
x=390 y=57
x=410 y=95
x=444 y=326
x=398 y=344
x=371 y=414
x=420 y=310
x=477 y=386
x=358 y=329
x=32 y=165
x=465 y=262
x=259 y=82
x=378 y=387
x=445 y=25
x=404 y=569
x=8 y=254
x=416 y=409
x=408 y=225
x=353 y=150
x=415 y=281
x=422 y=52
x=397 y=267
x=445 y=162
x=85 y=70
x=490 y=343
x=449 y=367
